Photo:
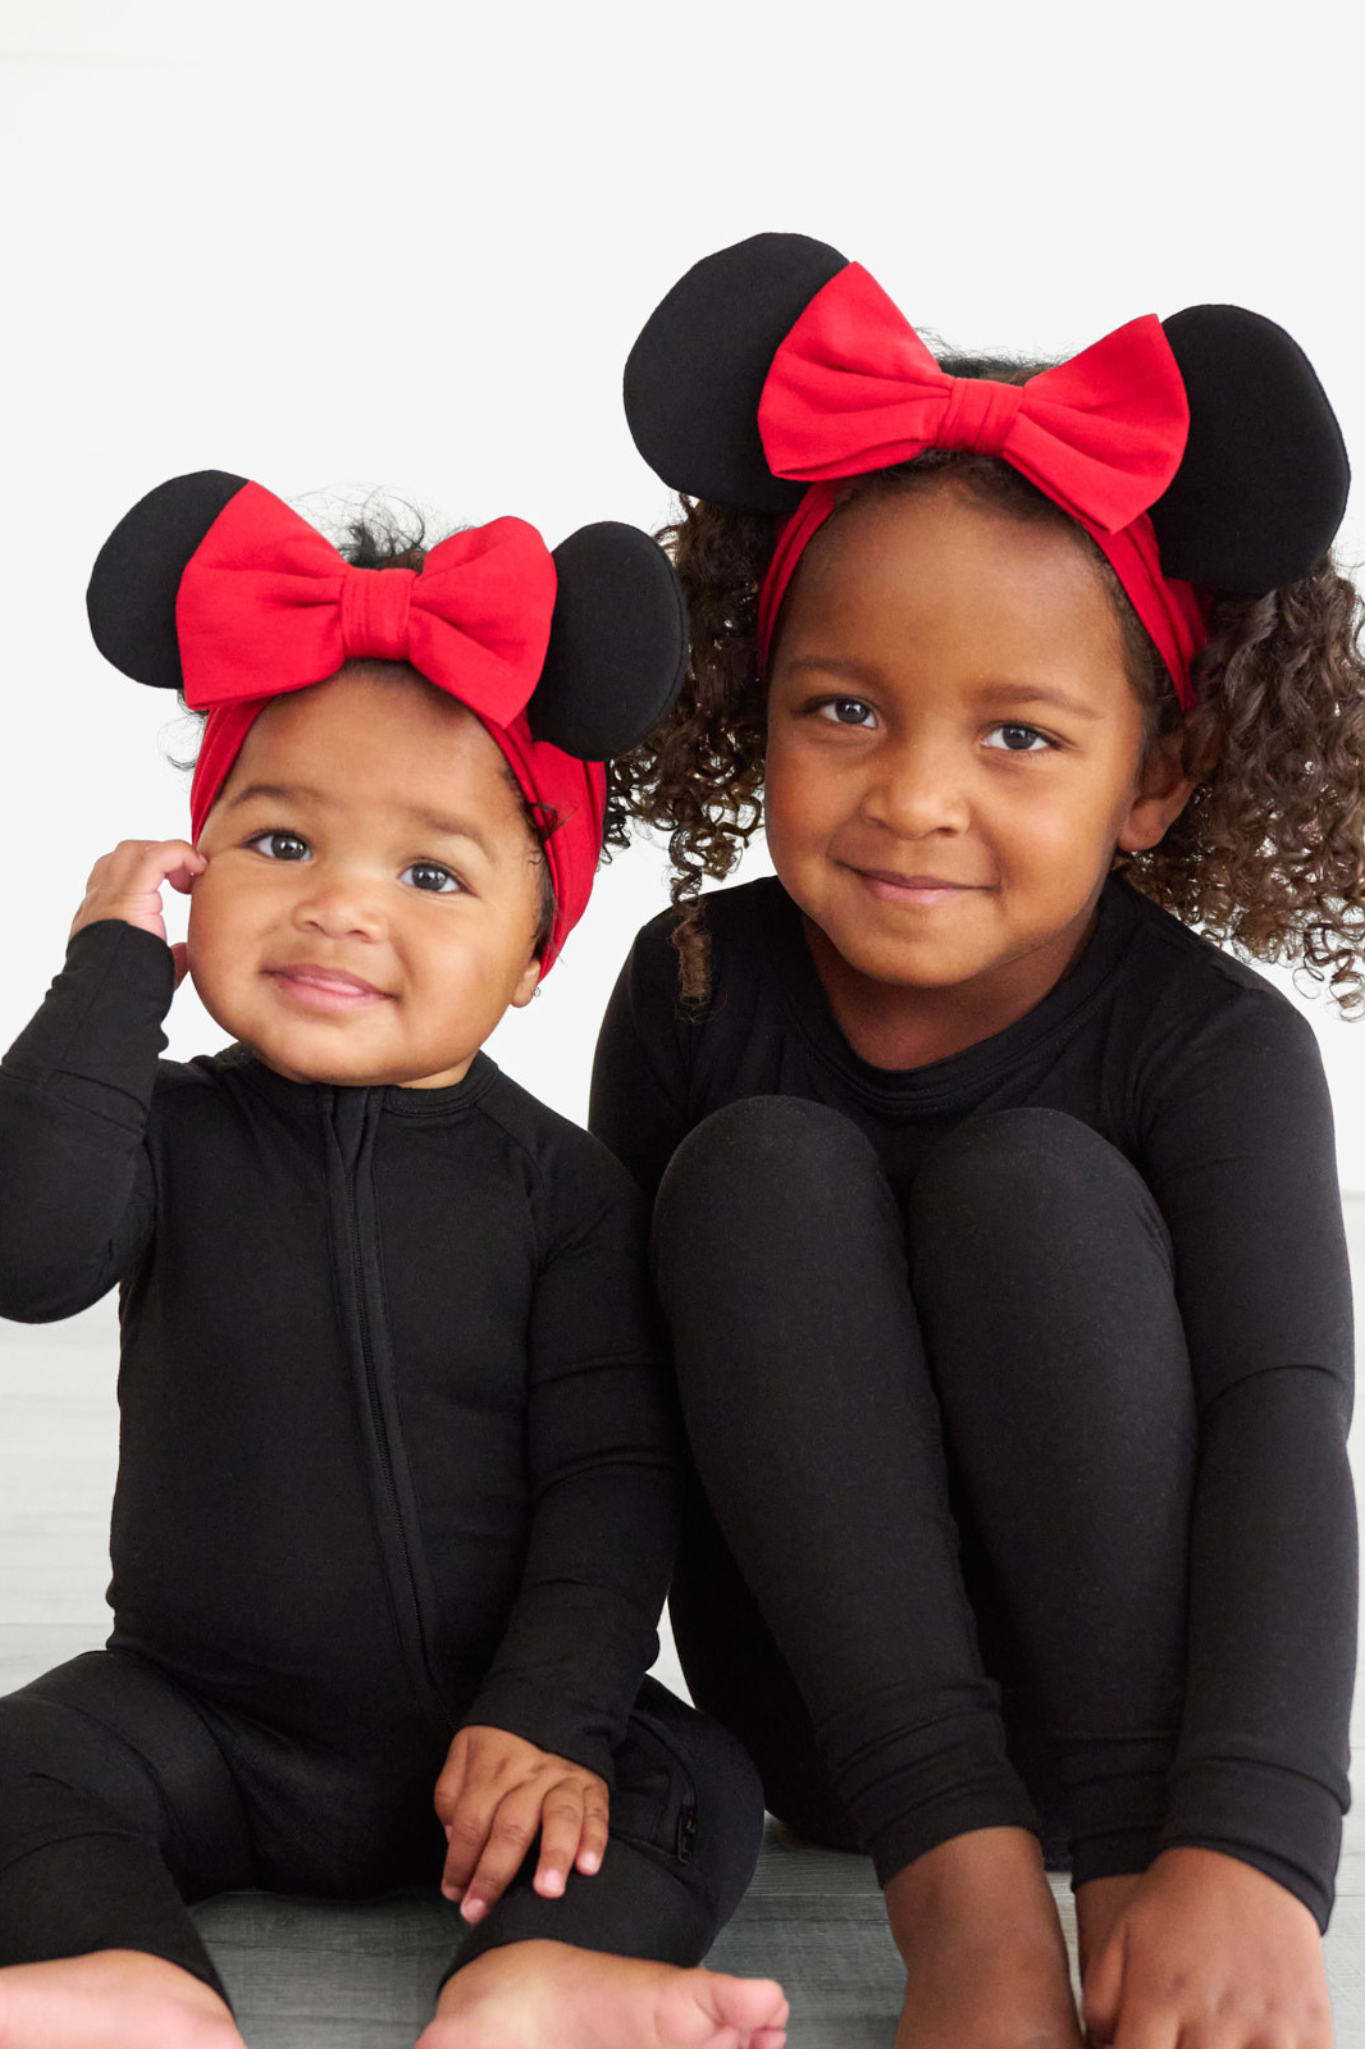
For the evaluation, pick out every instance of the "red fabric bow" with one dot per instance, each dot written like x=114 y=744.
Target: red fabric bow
x=853 y=389
x=267 y=605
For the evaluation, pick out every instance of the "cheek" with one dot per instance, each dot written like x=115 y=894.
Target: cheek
x=803 y=795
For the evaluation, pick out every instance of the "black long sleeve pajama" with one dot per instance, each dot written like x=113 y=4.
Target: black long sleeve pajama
x=1018 y=1385
x=397 y=1454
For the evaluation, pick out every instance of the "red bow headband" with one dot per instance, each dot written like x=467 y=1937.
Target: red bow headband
x=853 y=388
x=266 y=605
x=1201 y=452
x=212 y=586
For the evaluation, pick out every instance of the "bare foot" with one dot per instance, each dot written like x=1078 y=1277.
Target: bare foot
x=548 y=1995
x=112 y=1999
x=985 y=1959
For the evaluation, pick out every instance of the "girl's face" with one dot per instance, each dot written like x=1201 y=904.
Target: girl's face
x=954 y=749
x=370 y=904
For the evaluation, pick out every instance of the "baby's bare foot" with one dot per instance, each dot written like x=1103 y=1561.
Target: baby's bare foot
x=548 y=1995
x=985 y=1959
x=112 y=1999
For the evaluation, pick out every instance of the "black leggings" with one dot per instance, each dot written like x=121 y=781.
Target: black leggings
x=123 y=1797
x=948 y=1455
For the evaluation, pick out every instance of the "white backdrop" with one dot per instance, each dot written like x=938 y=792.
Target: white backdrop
x=410 y=244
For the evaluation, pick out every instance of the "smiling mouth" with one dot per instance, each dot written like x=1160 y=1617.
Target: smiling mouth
x=911 y=889
x=325 y=988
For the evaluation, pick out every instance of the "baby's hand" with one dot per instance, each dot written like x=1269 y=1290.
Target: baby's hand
x=1209 y=1954
x=495 y=1793
x=127 y=885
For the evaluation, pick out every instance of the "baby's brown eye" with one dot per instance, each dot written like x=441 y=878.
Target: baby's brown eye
x=431 y=877
x=281 y=846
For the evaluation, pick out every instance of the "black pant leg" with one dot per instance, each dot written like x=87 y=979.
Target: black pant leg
x=116 y=1809
x=1042 y=1270
x=737 y=1674
x=781 y=1261
x=686 y=1824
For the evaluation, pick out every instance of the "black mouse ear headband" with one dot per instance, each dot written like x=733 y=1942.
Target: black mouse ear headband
x=213 y=586
x=1198 y=453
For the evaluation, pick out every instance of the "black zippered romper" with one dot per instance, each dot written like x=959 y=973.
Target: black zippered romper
x=397 y=1453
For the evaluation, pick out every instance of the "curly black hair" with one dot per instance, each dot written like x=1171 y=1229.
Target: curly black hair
x=1267 y=857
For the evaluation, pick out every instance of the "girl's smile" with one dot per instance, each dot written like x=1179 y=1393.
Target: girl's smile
x=954 y=753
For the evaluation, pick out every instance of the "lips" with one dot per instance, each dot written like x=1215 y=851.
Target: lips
x=923 y=891
x=321 y=988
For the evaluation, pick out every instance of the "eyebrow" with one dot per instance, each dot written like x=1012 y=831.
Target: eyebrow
x=869 y=675
x=429 y=821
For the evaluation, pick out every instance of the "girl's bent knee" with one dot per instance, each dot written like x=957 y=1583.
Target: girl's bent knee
x=761 y=1138
x=1021 y=1163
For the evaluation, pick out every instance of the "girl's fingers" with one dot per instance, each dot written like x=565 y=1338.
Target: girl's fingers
x=592 y=1847
x=1103 y=1990
x=511 y=1835
x=561 y=1832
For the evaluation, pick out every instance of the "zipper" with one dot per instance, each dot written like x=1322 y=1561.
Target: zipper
x=354 y=1150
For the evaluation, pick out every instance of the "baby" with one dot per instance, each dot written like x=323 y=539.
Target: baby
x=395 y=1508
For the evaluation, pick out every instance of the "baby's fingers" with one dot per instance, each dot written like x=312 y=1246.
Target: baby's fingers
x=467 y=1826
x=510 y=1837
x=561 y=1837
x=592 y=1847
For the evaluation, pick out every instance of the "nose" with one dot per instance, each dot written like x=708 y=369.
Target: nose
x=339 y=902
x=916 y=787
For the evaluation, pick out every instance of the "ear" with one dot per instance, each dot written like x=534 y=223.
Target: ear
x=695 y=376
x=1262 y=486
x=528 y=983
x=618 y=643
x=1163 y=791
x=136 y=578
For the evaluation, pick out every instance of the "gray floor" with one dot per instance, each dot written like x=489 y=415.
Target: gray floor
x=360 y=1977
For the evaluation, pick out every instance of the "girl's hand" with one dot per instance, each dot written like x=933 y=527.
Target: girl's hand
x=1209 y=1954
x=127 y=884
x=495 y=1793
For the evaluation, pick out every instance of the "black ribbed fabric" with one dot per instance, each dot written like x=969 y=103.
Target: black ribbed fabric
x=1193 y=1282
x=399 y=1450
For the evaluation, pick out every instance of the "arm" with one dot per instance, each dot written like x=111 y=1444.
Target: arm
x=535 y=1752
x=1243 y=1165
x=639 y=1079
x=75 y=1089
x=1219 y=1938
x=602 y=1449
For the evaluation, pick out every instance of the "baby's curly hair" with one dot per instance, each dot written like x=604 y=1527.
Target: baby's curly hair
x=1267 y=857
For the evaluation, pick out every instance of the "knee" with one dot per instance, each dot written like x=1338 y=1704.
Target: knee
x=750 y=1165
x=1015 y=1168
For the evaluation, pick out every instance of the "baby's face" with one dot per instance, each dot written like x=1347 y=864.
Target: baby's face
x=370 y=904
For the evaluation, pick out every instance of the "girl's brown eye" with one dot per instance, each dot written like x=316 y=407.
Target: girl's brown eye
x=1018 y=739
x=847 y=711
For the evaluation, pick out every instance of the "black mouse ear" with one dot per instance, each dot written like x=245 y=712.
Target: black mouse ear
x=1262 y=486
x=618 y=643
x=136 y=578
x=695 y=376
